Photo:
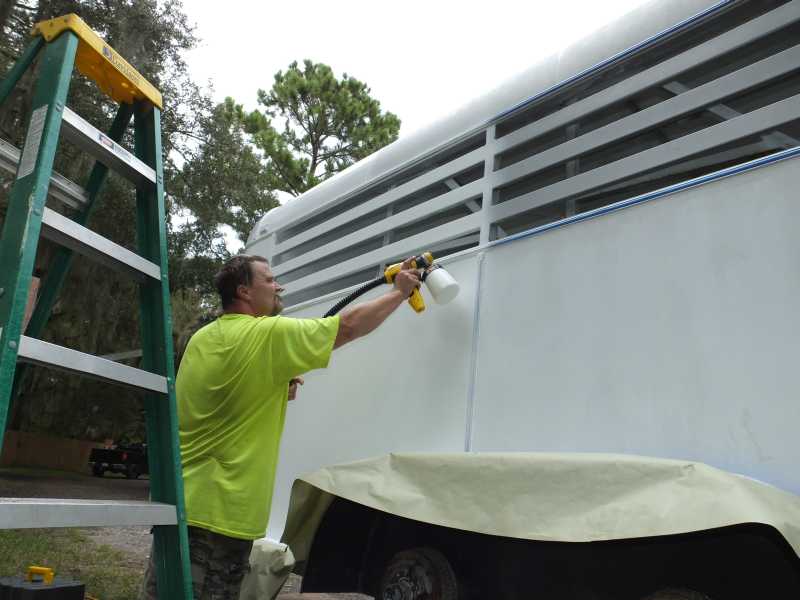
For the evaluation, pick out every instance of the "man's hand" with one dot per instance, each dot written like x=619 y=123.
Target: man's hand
x=407 y=279
x=364 y=318
x=293 y=387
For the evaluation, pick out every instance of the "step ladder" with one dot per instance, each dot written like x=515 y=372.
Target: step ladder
x=65 y=43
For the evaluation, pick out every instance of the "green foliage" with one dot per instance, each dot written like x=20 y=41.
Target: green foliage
x=221 y=185
x=328 y=124
x=223 y=182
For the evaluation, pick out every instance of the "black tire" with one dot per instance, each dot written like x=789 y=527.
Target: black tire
x=418 y=574
x=132 y=472
x=98 y=470
x=676 y=594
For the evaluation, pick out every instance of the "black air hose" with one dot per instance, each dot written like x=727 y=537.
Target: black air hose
x=355 y=294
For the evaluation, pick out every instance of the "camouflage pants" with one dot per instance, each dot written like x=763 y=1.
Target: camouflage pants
x=219 y=564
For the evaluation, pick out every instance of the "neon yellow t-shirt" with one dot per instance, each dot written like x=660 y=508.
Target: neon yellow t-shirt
x=231 y=390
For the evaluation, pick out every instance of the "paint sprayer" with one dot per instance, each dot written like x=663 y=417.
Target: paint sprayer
x=441 y=285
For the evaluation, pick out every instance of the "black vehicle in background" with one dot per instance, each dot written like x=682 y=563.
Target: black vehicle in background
x=131 y=460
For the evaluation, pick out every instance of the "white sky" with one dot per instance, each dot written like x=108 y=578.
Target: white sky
x=421 y=59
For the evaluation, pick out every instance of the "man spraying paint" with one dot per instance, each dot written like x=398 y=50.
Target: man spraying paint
x=234 y=380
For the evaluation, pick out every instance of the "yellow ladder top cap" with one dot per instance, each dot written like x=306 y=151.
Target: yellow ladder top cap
x=100 y=62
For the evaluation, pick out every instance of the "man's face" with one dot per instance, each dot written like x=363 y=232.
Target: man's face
x=264 y=291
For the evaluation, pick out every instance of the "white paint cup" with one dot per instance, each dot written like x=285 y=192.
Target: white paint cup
x=441 y=285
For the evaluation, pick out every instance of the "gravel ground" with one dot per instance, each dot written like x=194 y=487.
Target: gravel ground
x=38 y=483
x=134 y=541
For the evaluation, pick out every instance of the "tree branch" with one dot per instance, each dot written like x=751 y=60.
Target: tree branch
x=285 y=178
x=183 y=155
x=300 y=122
x=343 y=151
x=20 y=20
x=194 y=136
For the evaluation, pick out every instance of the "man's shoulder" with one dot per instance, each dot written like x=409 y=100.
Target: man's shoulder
x=244 y=325
x=283 y=322
x=248 y=325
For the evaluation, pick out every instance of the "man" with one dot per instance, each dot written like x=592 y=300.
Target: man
x=234 y=380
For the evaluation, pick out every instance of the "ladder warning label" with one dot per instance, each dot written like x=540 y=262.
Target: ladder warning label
x=31 y=150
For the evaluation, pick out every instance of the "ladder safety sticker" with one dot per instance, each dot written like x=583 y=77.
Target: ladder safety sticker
x=114 y=147
x=122 y=65
x=28 y=161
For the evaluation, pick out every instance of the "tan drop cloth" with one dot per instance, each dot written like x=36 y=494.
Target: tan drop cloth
x=560 y=497
x=270 y=566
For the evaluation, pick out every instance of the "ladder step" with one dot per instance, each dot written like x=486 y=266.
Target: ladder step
x=45 y=354
x=107 y=151
x=62 y=189
x=58 y=228
x=27 y=513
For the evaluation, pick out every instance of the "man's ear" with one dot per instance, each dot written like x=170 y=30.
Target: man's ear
x=242 y=292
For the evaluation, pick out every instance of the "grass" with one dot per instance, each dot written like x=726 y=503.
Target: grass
x=108 y=573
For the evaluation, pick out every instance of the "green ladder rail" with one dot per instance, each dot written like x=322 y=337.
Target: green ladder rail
x=64 y=44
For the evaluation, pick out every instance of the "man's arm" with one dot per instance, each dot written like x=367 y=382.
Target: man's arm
x=364 y=318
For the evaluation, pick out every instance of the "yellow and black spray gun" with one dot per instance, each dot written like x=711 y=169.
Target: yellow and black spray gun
x=440 y=284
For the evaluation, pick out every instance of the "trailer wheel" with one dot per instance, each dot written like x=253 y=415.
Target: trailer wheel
x=676 y=594
x=418 y=574
x=98 y=470
x=132 y=472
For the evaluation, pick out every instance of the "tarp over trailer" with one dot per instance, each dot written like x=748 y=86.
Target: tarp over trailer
x=544 y=496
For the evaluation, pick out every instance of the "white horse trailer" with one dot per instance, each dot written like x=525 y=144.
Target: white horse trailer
x=622 y=221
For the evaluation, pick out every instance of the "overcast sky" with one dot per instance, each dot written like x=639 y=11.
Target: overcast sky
x=421 y=59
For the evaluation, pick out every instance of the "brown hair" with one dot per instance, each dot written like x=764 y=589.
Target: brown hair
x=235 y=272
